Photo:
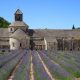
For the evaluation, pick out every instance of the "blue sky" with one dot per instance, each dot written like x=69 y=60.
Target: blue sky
x=51 y=14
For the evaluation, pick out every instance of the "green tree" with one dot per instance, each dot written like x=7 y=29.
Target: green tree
x=4 y=23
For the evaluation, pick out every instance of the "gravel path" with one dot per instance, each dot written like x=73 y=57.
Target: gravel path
x=46 y=69
x=31 y=71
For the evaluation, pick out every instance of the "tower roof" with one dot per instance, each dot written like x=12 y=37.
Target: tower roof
x=18 y=23
x=18 y=11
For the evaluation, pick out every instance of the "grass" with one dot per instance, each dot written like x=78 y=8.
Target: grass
x=1 y=53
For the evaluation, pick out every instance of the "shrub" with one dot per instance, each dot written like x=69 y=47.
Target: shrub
x=77 y=74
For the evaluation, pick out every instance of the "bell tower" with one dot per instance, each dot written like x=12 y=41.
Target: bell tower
x=18 y=15
x=18 y=22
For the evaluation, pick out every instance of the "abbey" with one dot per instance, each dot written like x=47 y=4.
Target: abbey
x=19 y=36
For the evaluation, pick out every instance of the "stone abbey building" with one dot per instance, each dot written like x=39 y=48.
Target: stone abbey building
x=19 y=36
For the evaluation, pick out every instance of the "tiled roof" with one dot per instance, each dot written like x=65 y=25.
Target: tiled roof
x=18 y=23
x=19 y=34
x=18 y=11
x=56 y=33
x=48 y=34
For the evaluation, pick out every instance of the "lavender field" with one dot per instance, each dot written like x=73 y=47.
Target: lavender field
x=39 y=65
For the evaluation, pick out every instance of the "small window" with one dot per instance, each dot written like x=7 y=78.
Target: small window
x=11 y=29
x=13 y=44
x=20 y=44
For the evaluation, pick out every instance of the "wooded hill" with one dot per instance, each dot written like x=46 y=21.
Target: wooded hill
x=3 y=23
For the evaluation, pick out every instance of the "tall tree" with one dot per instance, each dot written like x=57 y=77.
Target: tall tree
x=73 y=27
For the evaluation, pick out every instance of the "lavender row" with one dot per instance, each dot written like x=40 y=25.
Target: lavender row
x=23 y=72
x=5 y=59
x=74 y=55
x=39 y=71
x=68 y=58
x=70 y=55
x=64 y=57
x=8 y=53
x=56 y=70
x=70 y=65
x=7 y=69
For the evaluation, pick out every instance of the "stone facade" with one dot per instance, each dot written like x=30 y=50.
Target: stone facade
x=19 y=36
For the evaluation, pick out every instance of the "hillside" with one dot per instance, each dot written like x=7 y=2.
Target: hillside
x=3 y=23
